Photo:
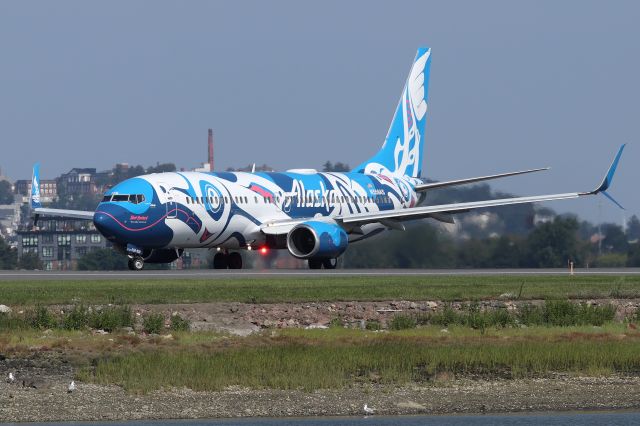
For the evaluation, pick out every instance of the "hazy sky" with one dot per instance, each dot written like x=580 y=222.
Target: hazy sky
x=292 y=84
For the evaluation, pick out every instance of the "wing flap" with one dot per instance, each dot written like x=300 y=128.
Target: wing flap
x=435 y=185
x=448 y=209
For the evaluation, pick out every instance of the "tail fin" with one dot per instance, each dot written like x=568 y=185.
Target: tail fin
x=34 y=198
x=401 y=153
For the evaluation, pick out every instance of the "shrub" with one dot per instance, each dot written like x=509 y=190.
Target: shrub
x=41 y=318
x=336 y=322
x=111 y=318
x=179 y=324
x=153 y=323
x=76 y=319
x=402 y=322
x=373 y=325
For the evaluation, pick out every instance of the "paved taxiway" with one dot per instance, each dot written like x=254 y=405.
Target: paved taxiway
x=206 y=274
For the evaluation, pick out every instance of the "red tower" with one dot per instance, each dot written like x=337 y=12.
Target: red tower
x=210 y=150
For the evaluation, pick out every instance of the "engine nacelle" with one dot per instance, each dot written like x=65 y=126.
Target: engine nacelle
x=317 y=239
x=162 y=255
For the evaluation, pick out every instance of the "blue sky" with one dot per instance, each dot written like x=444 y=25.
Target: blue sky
x=292 y=84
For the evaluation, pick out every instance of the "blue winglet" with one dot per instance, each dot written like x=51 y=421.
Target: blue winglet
x=606 y=182
x=606 y=194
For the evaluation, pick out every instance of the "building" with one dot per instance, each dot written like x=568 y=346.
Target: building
x=48 y=189
x=79 y=181
x=60 y=242
x=9 y=218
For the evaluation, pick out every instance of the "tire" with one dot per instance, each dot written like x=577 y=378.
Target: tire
x=220 y=261
x=130 y=264
x=315 y=263
x=137 y=263
x=330 y=263
x=235 y=260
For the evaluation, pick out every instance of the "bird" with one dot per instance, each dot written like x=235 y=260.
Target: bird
x=72 y=387
x=367 y=409
x=11 y=378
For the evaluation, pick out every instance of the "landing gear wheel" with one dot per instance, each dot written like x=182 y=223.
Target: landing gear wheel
x=136 y=264
x=330 y=263
x=220 y=261
x=235 y=260
x=315 y=263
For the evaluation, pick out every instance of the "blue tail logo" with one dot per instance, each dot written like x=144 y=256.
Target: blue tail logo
x=401 y=153
x=34 y=200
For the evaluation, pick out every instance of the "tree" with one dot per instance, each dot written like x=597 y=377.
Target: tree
x=8 y=256
x=633 y=229
x=6 y=196
x=162 y=168
x=105 y=259
x=338 y=167
x=615 y=239
x=29 y=261
x=553 y=244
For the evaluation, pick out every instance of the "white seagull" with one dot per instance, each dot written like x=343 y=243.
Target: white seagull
x=11 y=378
x=367 y=409
x=72 y=387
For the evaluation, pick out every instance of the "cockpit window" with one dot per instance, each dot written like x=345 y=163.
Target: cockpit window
x=120 y=198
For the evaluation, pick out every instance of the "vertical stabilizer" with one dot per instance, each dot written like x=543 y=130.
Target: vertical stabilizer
x=401 y=153
x=34 y=197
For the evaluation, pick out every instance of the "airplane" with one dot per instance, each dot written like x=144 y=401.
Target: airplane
x=315 y=216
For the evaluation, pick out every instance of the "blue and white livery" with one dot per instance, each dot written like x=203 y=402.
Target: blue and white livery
x=315 y=216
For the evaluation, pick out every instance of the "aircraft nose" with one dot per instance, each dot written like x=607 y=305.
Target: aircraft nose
x=104 y=223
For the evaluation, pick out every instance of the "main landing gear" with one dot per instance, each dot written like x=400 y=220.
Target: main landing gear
x=136 y=263
x=224 y=260
x=327 y=263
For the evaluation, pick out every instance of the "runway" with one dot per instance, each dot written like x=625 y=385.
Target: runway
x=210 y=274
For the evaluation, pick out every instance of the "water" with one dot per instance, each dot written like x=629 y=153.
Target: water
x=582 y=419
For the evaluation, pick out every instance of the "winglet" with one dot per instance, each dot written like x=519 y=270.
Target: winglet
x=34 y=198
x=608 y=178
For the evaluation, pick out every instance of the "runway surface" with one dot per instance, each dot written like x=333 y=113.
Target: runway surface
x=210 y=274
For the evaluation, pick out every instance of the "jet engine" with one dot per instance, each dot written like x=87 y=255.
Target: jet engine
x=314 y=239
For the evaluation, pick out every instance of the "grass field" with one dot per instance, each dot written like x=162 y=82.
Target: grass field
x=295 y=289
x=336 y=358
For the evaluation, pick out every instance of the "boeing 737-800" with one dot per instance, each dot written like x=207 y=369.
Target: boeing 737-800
x=315 y=216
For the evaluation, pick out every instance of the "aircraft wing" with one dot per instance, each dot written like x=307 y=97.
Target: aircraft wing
x=435 y=185
x=441 y=211
x=446 y=209
x=74 y=214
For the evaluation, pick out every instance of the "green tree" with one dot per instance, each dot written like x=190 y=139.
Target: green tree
x=162 y=168
x=8 y=256
x=6 y=196
x=105 y=259
x=29 y=261
x=337 y=167
x=553 y=244
x=615 y=239
x=633 y=229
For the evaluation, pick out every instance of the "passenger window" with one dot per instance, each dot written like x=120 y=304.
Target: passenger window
x=246 y=200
